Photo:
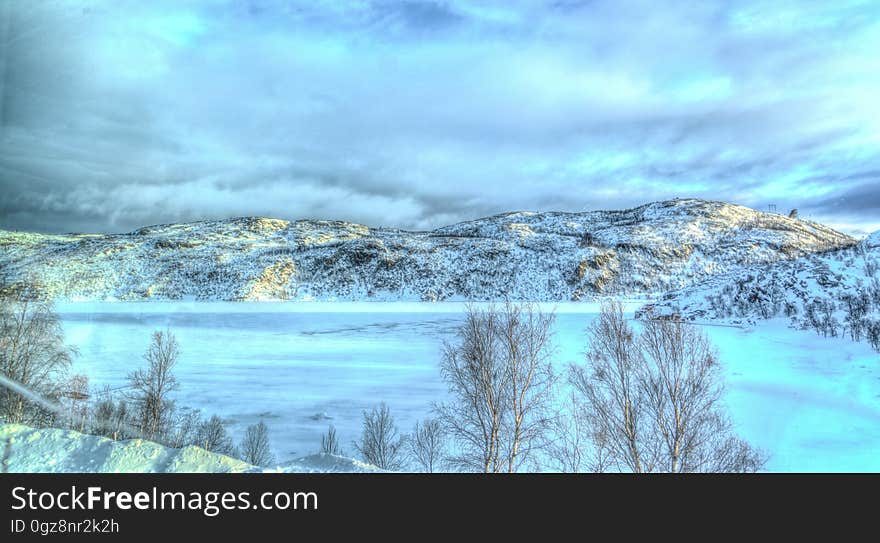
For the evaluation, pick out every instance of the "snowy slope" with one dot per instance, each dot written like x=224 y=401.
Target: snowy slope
x=872 y=241
x=524 y=256
x=30 y=450
x=835 y=293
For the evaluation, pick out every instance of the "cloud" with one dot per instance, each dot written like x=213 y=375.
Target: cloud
x=419 y=113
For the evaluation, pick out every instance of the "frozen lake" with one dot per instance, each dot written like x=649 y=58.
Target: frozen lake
x=813 y=403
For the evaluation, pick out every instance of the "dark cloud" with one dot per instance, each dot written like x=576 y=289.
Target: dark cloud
x=860 y=200
x=420 y=113
x=418 y=16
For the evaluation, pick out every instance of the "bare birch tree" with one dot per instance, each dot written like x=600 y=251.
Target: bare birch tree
x=579 y=445
x=683 y=388
x=472 y=372
x=427 y=445
x=609 y=386
x=657 y=398
x=33 y=355
x=255 y=447
x=381 y=443
x=500 y=378
x=212 y=436
x=527 y=348
x=152 y=387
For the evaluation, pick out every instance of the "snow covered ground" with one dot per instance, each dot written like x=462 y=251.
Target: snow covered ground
x=812 y=403
x=26 y=449
x=49 y=450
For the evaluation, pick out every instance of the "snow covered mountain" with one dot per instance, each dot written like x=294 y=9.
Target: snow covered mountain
x=40 y=450
x=836 y=293
x=521 y=256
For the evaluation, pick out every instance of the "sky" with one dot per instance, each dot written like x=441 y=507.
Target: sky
x=414 y=114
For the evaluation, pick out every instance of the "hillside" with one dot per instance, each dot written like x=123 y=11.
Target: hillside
x=835 y=293
x=50 y=450
x=521 y=256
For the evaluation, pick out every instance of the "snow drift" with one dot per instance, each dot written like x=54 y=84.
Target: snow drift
x=40 y=450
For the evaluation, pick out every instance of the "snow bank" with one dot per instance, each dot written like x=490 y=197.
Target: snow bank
x=326 y=463
x=872 y=241
x=50 y=450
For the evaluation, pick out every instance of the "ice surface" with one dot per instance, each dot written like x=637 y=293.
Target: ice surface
x=813 y=403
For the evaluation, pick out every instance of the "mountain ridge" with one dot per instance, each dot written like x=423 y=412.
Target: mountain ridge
x=522 y=255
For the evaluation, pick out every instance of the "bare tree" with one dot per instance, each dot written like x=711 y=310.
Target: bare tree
x=609 y=386
x=33 y=355
x=658 y=398
x=566 y=452
x=185 y=428
x=500 y=378
x=427 y=445
x=255 y=447
x=730 y=454
x=212 y=436
x=872 y=331
x=381 y=444
x=476 y=382
x=330 y=443
x=579 y=444
x=152 y=387
x=682 y=389
x=683 y=385
x=526 y=338
x=111 y=417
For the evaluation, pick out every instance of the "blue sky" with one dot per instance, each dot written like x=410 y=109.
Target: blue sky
x=117 y=114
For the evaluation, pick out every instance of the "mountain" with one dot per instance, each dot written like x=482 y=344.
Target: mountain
x=549 y=256
x=40 y=450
